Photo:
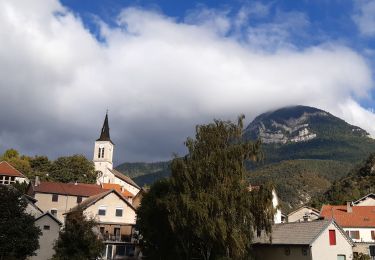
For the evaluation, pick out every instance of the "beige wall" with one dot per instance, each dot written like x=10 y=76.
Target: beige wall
x=299 y=214
x=321 y=249
x=47 y=239
x=111 y=202
x=64 y=204
x=277 y=252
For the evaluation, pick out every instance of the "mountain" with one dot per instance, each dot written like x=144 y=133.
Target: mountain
x=303 y=132
x=305 y=150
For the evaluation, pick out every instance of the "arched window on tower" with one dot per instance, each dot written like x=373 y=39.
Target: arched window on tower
x=99 y=152
x=102 y=152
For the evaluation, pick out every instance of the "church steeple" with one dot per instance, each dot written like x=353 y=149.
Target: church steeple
x=104 y=134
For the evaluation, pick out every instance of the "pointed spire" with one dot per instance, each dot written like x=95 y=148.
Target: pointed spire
x=104 y=135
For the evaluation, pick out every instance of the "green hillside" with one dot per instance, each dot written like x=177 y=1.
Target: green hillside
x=296 y=181
x=305 y=150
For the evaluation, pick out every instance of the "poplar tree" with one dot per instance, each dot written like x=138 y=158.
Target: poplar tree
x=210 y=209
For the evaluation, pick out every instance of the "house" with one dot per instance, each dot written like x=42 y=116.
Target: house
x=103 y=161
x=304 y=213
x=31 y=208
x=116 y=219
x=357 y=221
x=58 y=198
x=9 y=174
x=314 y=240
x=50 y=227
x=368 y=200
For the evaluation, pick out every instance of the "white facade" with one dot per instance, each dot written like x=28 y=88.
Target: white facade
x=275 y=203
x=103 y=156
x=364 y=234
x=321 y=248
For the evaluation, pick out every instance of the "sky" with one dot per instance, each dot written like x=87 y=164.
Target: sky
x=162 y=67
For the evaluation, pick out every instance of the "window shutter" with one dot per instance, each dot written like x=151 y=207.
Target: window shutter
x=373 y=234
x=332 y=237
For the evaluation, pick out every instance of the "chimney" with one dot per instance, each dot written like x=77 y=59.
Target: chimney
x=76 y=183
x=349 y=207
x=37 y=181
x=122 y=189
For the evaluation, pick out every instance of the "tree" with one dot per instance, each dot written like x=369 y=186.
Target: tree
x=73 y=168
x=21 y=163
x=153 y=213
x=77 y=240
x=209 y=206
x=19 y=237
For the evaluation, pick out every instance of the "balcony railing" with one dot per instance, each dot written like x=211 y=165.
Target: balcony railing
x=117 y=238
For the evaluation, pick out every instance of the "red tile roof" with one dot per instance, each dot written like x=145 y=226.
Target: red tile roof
x=79 y=189
x=117 y=187
x=361 y=216
x=8 y=170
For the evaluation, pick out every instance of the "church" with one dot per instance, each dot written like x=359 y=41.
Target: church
x=103 y=160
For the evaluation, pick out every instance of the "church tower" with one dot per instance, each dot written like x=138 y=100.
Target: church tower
x=103 y=153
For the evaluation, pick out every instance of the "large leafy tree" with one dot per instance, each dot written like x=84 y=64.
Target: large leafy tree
x=18 y=233
x=77 y=240
x=73 y=168
x=209 y=209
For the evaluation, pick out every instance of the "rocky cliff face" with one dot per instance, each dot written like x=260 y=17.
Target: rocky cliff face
x=294 y=125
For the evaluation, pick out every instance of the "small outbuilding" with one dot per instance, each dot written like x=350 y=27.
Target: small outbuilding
x=314 y=240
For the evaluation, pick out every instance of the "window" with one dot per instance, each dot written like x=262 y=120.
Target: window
x=341 y=257
x=101 y=230
x=287 y=251
x=373 y=234
x=332 y=237
x=46 y=227
x=99 y=152
x=55 y=197
x=79 y=199
x=304 y=251
x=54 y=212
x=119 y=212
x=102 y=152
x=354 y=234
x=102 y=211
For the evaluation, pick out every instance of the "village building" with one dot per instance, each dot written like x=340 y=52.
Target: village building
x=58 y=198
x=314 y=240
x=103 y=160
x=10 y=175
x=368 y=200
x=357 y=221
x=303 y=214
x=50 y=227
x=116 y=219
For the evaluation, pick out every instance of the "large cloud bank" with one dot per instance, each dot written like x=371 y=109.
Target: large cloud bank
x=159 y=78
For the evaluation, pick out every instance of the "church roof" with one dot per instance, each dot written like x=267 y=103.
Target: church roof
x=104 y=134
x=124 y=178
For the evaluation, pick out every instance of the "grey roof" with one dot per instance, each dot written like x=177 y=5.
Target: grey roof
x=124 y=178
x=296 y=233
x=48 y=214
x=104 y=134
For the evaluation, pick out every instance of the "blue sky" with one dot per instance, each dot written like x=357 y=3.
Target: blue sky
x=162 y=67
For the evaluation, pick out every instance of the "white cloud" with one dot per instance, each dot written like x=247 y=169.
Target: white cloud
x=364 y=16
x=159 y=78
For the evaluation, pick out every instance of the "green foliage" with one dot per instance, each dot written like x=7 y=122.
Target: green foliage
x=361 y=256
x=152 y=222
x=77 y=240
x=206 y=205
x=73 y=168
x=296 y=180
x=358 y=183
x=63 y=169
x=19 y=237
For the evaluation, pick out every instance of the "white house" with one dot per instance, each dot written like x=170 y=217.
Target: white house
x=357 y=221
x=314 y=240
x=9 y=174
x=304 y=213
x=368 y=200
